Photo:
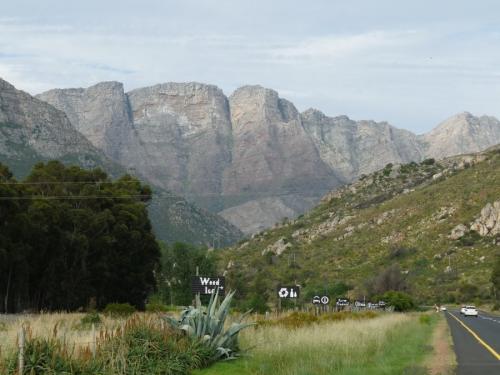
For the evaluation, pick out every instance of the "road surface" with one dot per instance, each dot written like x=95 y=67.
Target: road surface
x=476 y=342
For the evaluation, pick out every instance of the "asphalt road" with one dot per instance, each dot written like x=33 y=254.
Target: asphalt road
x=477 y=344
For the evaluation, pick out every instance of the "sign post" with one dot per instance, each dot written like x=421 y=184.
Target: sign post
x=207 y=285
x=287 y=292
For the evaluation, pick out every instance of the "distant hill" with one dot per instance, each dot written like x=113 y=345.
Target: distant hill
x=437 y=220
x=32 y=131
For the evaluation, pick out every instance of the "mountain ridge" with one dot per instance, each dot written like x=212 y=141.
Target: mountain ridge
x=33 y=131
x=252 y=156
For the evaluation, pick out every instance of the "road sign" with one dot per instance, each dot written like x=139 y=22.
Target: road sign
x=324 y=300
x=342 y=302
x=288 y=292
x=208 y=285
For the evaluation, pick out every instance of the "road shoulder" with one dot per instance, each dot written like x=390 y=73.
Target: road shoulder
x=442 y=361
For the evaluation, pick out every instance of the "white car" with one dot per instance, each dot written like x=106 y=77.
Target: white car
x=470 y=311
x=442 y=308
x=462 y=310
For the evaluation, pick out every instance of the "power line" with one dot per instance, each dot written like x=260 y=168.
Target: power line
x=75 y=197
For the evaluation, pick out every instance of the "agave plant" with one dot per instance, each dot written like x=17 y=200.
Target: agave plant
x=207 y=324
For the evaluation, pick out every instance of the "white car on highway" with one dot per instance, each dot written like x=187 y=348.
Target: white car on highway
x=470 y=311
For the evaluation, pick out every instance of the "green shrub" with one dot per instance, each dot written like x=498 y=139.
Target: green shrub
x=469 y=238
x=256 y=303
x=3 y=326
x=399 y=300
x=158 y=307
x=424 y=319
x=429 y=161
x=119 y=309
x=90 y=318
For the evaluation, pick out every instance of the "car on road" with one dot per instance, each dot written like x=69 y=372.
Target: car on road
x=442 y=308
x=462 y=309
x=470 y=311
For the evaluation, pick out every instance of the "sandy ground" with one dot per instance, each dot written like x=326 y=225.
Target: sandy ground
x=442 y=361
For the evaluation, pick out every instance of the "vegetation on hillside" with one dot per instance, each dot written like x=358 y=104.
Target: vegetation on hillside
x=395 y=222
x=71 y=238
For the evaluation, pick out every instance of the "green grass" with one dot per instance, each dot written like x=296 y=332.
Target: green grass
x=394 y=344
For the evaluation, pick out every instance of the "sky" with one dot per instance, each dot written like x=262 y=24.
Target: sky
x=411 y=63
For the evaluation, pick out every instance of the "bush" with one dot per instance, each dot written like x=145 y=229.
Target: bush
x=119 y=309
x=429 y=161
x=468 y=292
x=424 y=319
x=208 y=325
x=91 y=318
x=158 y=307
x=469 y=238
x=257 y=303
x=399 y=300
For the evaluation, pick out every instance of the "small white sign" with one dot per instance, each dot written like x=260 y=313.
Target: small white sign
x=288 y=292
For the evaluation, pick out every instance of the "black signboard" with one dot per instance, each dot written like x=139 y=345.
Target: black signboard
x=323 y=300
x=288 y=292
x=208 y=285
x=342 y=302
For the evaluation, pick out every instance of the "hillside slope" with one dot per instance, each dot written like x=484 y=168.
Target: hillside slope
x=403 y=214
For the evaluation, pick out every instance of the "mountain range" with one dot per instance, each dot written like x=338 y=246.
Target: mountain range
x=33 y=131
x=252 y=157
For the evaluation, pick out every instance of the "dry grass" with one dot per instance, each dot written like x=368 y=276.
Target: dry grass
x=66 y=327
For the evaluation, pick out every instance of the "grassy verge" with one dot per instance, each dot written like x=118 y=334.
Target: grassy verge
x=391 y=344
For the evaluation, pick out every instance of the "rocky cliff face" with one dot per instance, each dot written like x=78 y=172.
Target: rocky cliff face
x=185 y=131
x=250 y=157
x=100 y=113
x=276 y=170
x=460 y=134
x=353 y=148
x=32 y=131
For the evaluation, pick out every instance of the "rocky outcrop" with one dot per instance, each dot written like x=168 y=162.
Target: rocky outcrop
x=458 y=232
x=488 y=222
x=461 y=134
x=278 y=247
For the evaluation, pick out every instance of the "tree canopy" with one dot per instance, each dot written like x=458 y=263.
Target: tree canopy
x=70 y=238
